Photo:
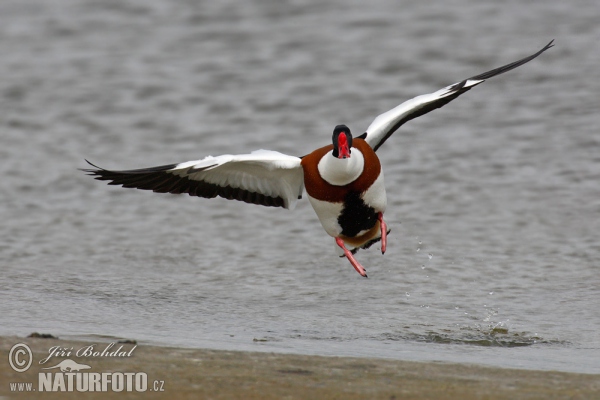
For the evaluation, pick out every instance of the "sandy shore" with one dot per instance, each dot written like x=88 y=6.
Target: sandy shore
x=212 y=374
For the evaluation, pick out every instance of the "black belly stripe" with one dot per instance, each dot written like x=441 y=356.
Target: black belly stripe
x=356 y=216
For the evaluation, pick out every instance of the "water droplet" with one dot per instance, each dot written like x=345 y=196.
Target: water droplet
x=407 y=294
x=422 y=267
x=418 y=249
x=491 y=293
x=430 y=256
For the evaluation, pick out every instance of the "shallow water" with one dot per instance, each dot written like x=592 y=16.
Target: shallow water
x=493 y=201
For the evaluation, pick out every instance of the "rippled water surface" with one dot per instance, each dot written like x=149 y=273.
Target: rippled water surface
x=493 y=201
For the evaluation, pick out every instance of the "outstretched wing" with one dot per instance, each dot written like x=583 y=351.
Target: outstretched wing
x=262 y=177
x=387 y=123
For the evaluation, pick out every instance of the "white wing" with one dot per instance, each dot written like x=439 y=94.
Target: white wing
x=262 y=177
x=387 y=123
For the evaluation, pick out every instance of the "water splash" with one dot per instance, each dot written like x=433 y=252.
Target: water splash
x=495 y=337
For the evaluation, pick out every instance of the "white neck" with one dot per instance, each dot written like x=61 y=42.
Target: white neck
x=341 y=171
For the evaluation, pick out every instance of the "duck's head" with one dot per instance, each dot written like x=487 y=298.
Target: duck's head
x=342 y=142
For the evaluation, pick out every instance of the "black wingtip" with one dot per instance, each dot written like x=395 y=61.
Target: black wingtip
x=92 y=164
x=89 y=170
x=511 y=66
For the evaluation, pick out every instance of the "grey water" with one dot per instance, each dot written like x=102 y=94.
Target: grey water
x=493 y=200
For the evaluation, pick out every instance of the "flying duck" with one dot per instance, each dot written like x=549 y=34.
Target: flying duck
x=343 y=180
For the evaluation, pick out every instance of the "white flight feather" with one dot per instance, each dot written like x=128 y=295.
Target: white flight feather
x=263 y=171
x=384 y=122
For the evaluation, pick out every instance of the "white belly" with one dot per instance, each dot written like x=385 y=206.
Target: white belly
x=328 y=214
x=375 y=196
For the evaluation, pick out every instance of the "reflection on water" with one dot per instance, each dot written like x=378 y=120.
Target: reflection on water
x=493 y=200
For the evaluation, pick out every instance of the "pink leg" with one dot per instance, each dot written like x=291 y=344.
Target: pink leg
x=383 y=233
x=359 y=268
